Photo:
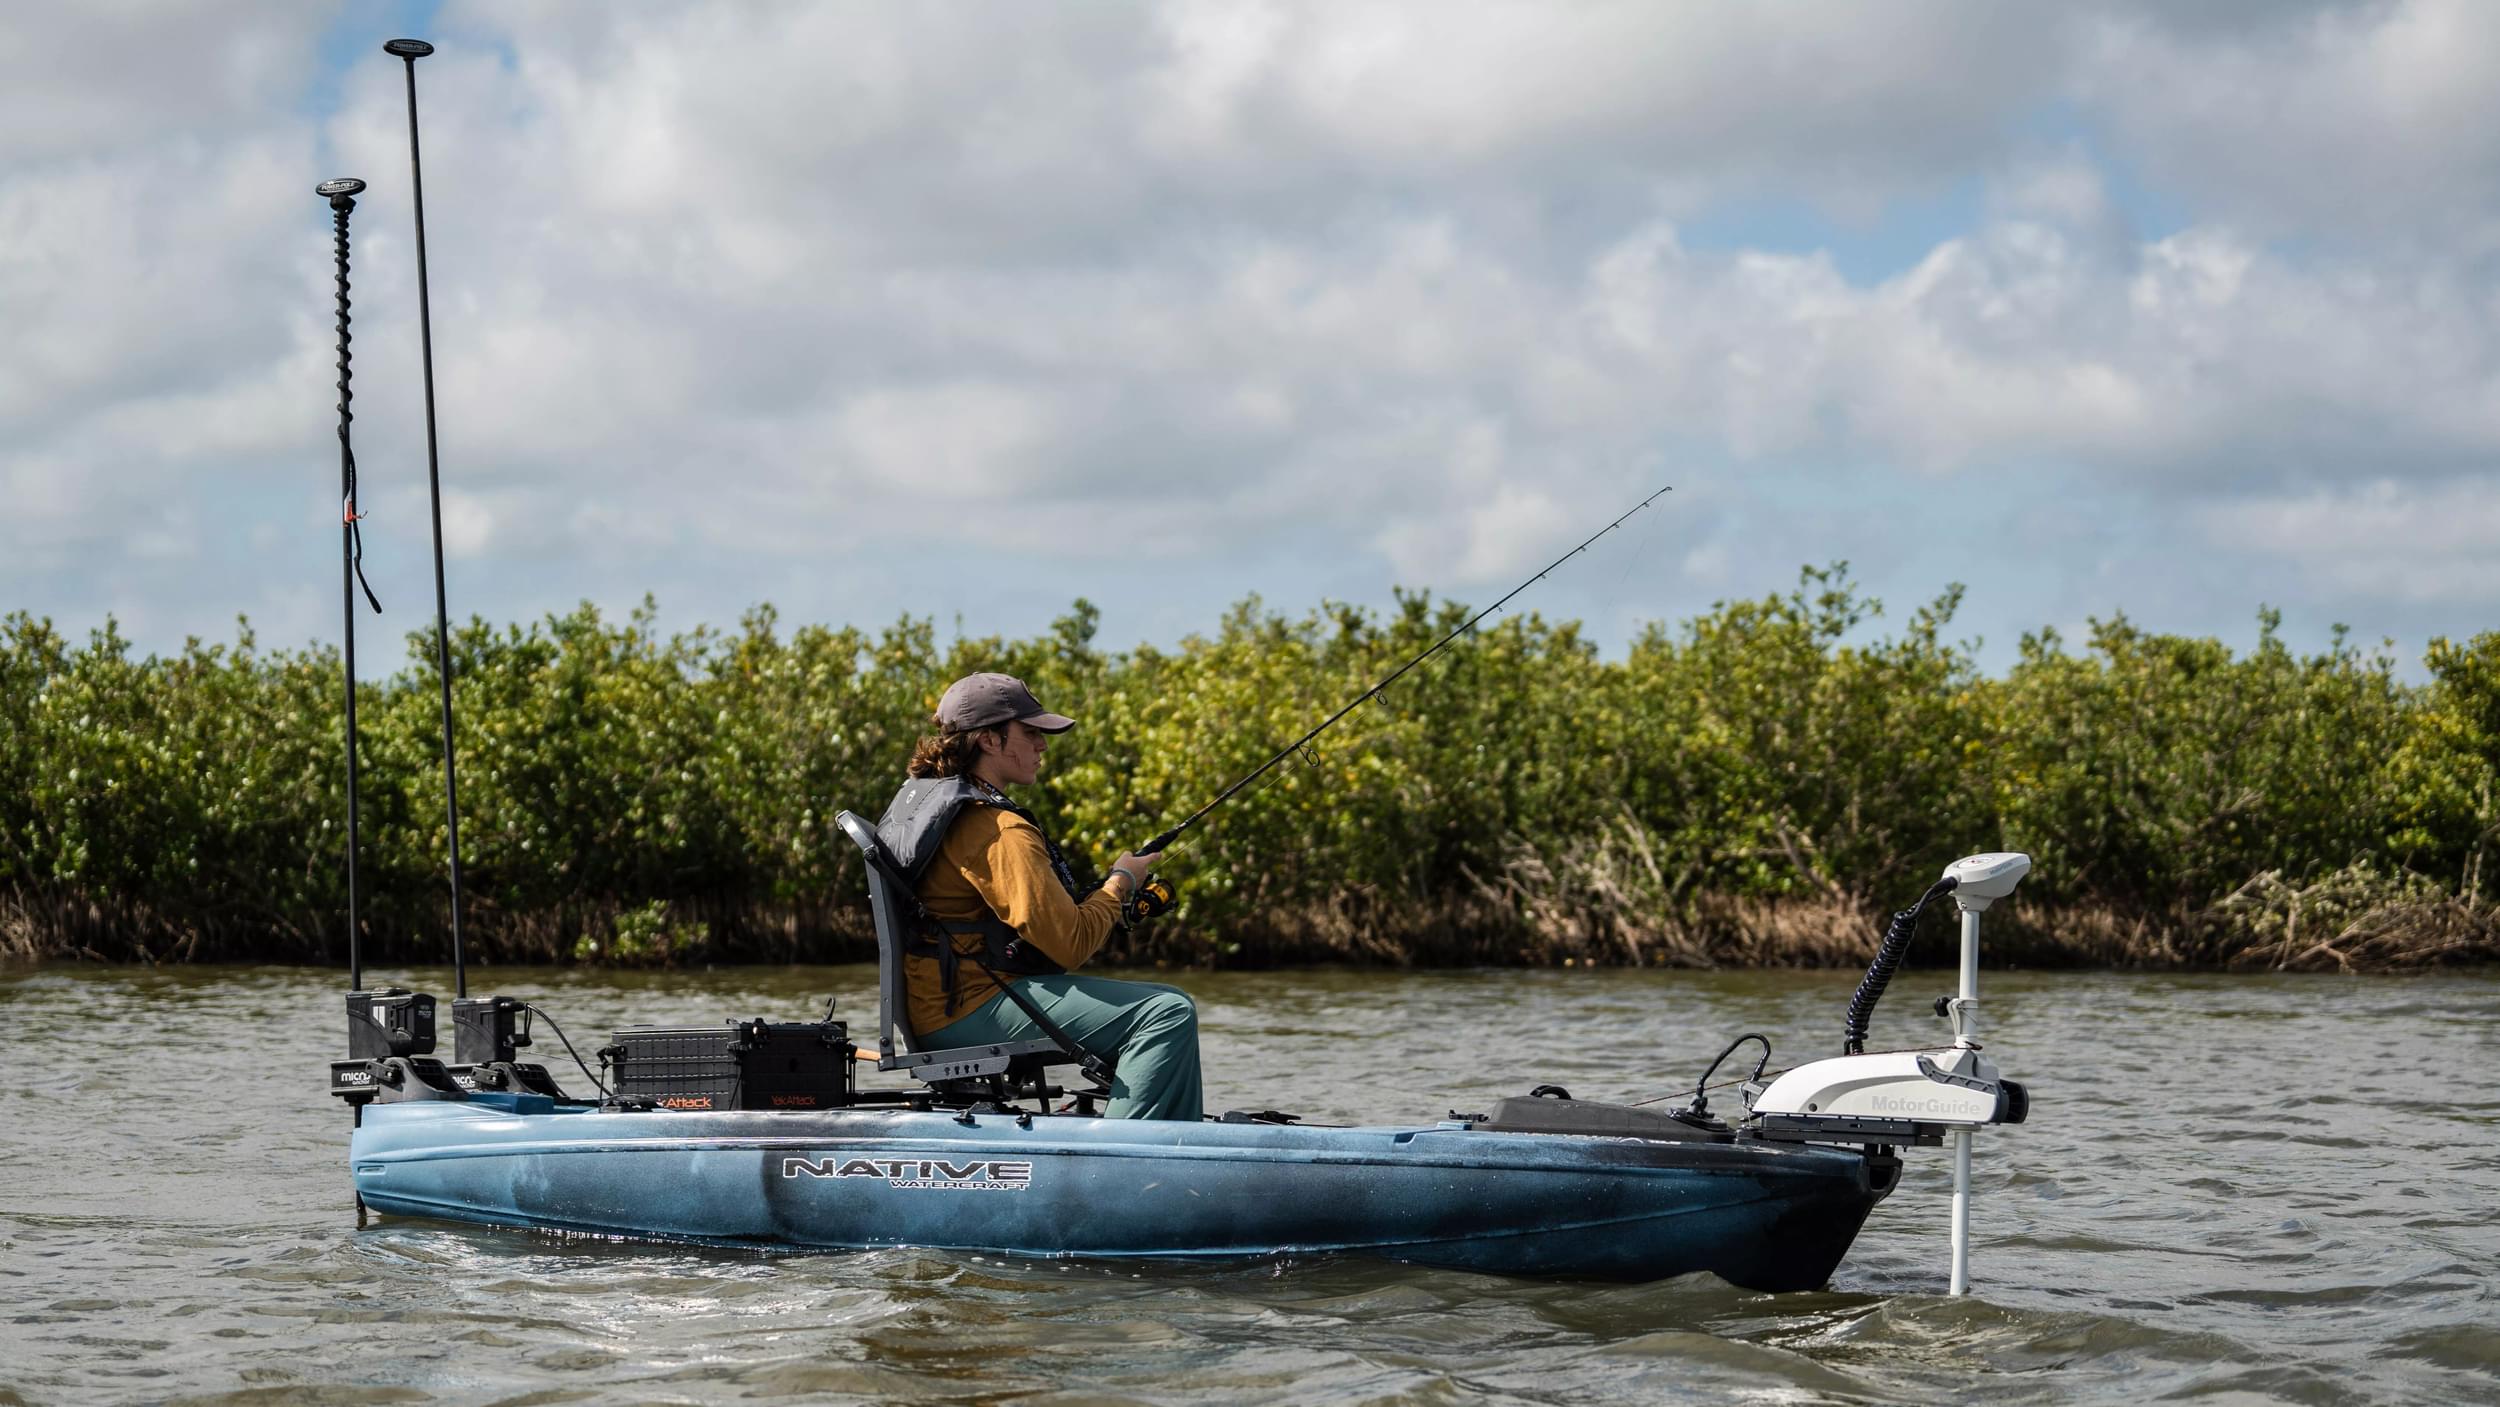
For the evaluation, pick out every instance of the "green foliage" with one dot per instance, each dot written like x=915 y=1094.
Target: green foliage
x=644 y=937
x=629 y=797
x=2163 y=770
x=1774 y=758
x=2447 y=772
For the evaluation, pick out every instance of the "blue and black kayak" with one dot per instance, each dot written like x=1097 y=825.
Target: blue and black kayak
x=1548 y=1187
x=757 y=1134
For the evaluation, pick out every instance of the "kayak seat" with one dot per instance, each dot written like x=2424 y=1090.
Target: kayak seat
x=897 y=912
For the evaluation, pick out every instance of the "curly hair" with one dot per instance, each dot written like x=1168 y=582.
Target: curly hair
x=950 y=751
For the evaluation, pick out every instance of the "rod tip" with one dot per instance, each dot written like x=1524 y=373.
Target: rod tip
x=408 y=48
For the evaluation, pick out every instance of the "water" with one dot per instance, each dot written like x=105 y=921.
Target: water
x=2235 y=1189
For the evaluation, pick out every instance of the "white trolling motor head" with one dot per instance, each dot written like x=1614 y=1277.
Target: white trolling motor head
x=1981 y=880
x=1910 y=1096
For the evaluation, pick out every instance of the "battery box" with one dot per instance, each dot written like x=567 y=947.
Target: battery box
x=739 y=1065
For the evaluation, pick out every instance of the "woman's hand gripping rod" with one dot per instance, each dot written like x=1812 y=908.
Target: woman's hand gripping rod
x=1165 y=839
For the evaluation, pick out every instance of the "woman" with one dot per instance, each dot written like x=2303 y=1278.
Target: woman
x=1009 y=905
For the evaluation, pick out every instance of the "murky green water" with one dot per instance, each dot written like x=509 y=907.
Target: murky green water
x=2233 y=1189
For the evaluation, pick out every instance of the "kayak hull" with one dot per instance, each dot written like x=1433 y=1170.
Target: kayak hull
x=1769 y=1216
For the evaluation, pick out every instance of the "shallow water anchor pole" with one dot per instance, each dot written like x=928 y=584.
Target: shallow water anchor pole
x=341 y=195
x=1980 y=880
x=409 y=51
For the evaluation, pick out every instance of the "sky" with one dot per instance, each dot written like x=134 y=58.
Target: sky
x=968 y=310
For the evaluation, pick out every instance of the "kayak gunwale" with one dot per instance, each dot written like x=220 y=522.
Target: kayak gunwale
x=1510 y=1154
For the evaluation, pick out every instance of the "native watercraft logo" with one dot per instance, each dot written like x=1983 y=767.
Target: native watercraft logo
x=979 y=1175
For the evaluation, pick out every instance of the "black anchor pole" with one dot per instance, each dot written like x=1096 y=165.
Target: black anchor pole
x=409 y=51
x=341 y=194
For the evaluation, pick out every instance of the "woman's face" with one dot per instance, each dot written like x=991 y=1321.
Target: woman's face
x=1016 y=758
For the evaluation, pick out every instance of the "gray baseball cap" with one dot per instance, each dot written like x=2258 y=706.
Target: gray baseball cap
x=986 y=700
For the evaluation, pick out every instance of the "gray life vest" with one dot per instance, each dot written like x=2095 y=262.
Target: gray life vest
x=912 y=831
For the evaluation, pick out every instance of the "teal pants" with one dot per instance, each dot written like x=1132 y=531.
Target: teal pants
x=1151 y=1028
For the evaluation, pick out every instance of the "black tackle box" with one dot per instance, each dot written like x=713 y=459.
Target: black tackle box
x=740 y=1065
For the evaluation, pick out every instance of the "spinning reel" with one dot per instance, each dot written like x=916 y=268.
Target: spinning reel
x=1154 y=896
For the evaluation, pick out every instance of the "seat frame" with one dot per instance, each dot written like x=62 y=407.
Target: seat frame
x=897 y=913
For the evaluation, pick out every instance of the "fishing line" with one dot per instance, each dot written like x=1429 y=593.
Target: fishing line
x=1295 y=747
x=1634 y=557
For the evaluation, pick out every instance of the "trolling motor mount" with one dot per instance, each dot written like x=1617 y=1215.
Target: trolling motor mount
x=487 y=1036
x=485 y=1030
x=390 y=1022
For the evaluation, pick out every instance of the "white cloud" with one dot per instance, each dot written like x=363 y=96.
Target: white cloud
x=2350 y=122
x=470 y=524
x=978 y=441
x=2435 y=543
x=1400 y=285
x=77 y=81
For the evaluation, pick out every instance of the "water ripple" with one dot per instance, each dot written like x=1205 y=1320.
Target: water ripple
x=2229 y=1193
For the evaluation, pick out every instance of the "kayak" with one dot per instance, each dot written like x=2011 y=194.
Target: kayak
x=1763 y=1214
x=758 y=1135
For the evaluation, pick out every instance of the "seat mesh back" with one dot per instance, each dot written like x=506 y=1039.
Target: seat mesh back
x=885 y=908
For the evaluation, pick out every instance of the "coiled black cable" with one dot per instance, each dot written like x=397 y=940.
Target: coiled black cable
x=347 y=395
x=1888 y=955
x=339 y=210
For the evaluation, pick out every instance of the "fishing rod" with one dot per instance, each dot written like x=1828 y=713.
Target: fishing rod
x=409 y=51
x=342 y=193
x=1165 y=839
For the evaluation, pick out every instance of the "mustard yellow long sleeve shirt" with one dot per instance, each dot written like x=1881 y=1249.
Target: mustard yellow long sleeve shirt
x=994 y=862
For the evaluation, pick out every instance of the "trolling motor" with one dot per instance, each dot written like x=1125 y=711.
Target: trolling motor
x=1916 y=1097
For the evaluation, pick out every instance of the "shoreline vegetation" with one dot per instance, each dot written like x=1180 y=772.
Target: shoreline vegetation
x=1754 y=787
